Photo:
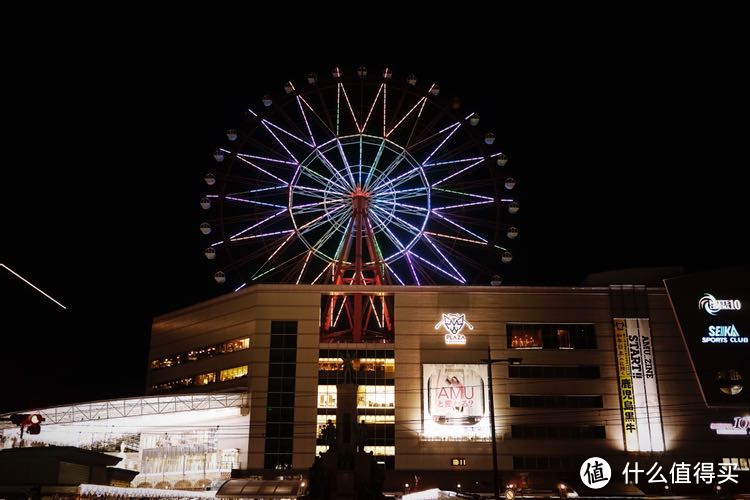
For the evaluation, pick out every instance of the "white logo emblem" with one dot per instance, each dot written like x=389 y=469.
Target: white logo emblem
x=712 y=305
x=454 y=323
x=595 y=473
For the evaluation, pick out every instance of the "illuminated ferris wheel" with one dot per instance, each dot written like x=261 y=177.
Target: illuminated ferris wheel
x=351 y=179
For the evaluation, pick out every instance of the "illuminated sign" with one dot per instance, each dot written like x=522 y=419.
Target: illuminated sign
x=740 y=426
x=713 y=305
x=453 y=324
x=717 y=332
x=454 y=399
x=639 y=394
x=724 y=334
x=458 y=462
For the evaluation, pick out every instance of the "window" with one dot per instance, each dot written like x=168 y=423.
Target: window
x=555 y=401
x=205 y=378
x=280 y=404
x=202 y=379
x=741 y=464
x=202 y=353
x=233 y=373
x=525 y=337
x=553 y=371
x=376 y=396
x=327 y=396
x=551 y=336
x=557 y=432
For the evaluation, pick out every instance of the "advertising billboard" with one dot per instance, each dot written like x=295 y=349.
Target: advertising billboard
x=455 y=402
x=713 y=313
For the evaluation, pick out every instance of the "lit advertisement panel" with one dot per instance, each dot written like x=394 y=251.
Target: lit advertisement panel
x=455 y=402
x=713 y=313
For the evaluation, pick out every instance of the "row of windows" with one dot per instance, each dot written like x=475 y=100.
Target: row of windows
x=378 y=420
x=357 y=353
x=203 y=353
x=742 y=464
x=557 y=432
x=281 y=385
x=551 y=336
x=553 y=371
x=368 y=396
x=378 y=451
x=547 y=462
x=202 y=379
x=384 y=365
x=555 y=401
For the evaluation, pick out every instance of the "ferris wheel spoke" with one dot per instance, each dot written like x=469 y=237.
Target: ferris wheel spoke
x=445 y=259
x=419 y=103
x=321 y=206
x=464 y=205
x=461 y=194
x=374 y=102
x=280 y=265
x=304 y=266
x=258 y=223
x=349 y=104
x=374 y=165
x=472 y=165
x=411 y=267
x=249 y=191
x=451 y=162
x=326 y=124
x=346 y=162
x=323 y=158
x=284 y=131
x=252 y=202
x=324 y=181
x=383 y=176
x=453 y=128
x=281 y=143
x=395 y=275
x=446 y=219
x=436 y=267
x=263 y=235
x=265 y=158
x=304 y=117
x=394 y=239
x=456 y=238
x=242 y=158
x=270 y=257
x=318 y=221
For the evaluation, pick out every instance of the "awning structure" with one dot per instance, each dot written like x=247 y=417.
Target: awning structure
x=98 y=490
x=262 y=488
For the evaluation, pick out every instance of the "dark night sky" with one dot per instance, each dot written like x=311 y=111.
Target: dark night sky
x=625 y=158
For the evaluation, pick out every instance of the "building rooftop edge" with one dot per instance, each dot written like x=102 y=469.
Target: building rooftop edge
x=291 y=288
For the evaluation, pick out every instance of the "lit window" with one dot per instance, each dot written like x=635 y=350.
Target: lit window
x=526 y=338
x=376 y=396
x=205 y=378
x=563 y=338
x=327 y=396
x=233 y=373
x=380 y=451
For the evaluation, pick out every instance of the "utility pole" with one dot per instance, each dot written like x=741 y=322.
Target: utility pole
x=489 y=361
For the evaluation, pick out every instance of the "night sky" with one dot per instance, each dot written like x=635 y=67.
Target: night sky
x=624 y=158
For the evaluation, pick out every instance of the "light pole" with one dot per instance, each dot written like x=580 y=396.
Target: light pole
x=489 y=361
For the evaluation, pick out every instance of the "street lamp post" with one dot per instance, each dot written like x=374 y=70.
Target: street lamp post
x=489 y=361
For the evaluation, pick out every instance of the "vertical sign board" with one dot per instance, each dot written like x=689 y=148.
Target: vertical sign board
x=639 y=393
x=713 y=312
x=625 y=381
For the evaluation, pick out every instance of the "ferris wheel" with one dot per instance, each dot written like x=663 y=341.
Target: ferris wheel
x=359 y=179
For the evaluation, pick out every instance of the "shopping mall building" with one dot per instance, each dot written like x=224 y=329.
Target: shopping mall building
x=626 y=373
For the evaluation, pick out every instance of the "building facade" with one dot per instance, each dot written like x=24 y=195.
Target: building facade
x=604 y=372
